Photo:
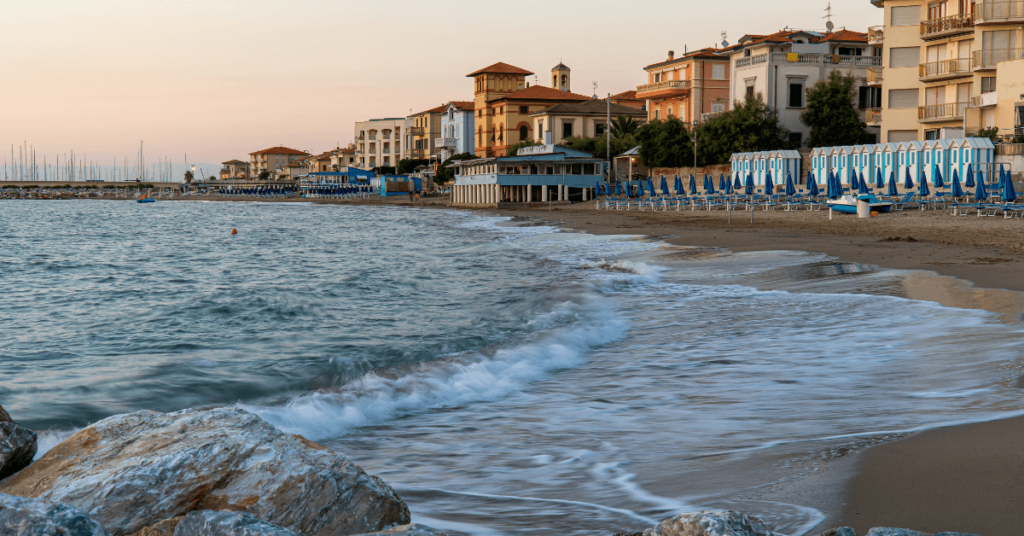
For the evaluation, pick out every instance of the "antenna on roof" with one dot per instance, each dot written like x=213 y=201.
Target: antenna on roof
x=828 y=15
x=725 y=43
x=595 y=89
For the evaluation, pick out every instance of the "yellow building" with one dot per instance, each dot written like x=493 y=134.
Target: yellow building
x=424 y=132
x=272 y=159
x=234 y=169
x=504 y=100
x=950 y=68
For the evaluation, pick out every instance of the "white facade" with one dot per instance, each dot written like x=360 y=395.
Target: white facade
x=783 y=72
x=382 y=142
x=457 y=127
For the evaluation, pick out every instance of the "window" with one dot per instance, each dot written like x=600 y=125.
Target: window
x=524 y=109
x=896 y=136
x=670 y=114
x=657 y=114
x=988 y=84
x=848 y=51
x=936 y=10
x=869 y=97
x=931 y=134
x=903 y=98
x=796 y=138
x=598 y=129
x=905 y=16
x=524 y=133
x=540 y=129
x=904 y=56
x=566 y=130
x=718 y=72
x=588 y=169
x=750 y=92
x=796 y=94
x=717 y=107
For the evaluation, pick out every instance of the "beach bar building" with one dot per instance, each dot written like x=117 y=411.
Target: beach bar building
x=543 y=173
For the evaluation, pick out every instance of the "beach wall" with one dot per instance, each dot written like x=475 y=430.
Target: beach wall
x=687 y=171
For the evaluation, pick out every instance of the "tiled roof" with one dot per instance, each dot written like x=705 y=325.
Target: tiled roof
x=234 y=163
x=281 y=150
x=434 y=110
x=844 y=35
x=704 y=53
x=542 y=93
x=590 y=107
x=500 y=68
x=560 y=67
x=626 y=95
x=464 y=105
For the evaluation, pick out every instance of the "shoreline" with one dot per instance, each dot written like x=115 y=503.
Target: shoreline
x=940 y=479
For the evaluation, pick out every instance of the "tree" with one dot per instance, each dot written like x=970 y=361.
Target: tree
x=511 y=151
x=750 y=126
x=991 y=133
x=409 y=165
x=264 y=176
x=665 y=144
x=384 y=170
x=624 y=125
x=444 y=173
x=832 y=115
x=188 y=177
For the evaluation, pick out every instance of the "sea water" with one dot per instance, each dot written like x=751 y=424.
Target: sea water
x=505 y=378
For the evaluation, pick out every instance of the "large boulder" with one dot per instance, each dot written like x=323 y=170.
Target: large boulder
x=130 y=472
x=209 y=523
x=36 y=517
x=711 y=523
x=17 y=446
x=408 y=530
x=839 y=531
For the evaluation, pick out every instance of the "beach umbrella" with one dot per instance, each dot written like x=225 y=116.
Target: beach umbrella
x=711 y=184
x=854 y=183
x=748 y=188
x=980 y=193
x=812 y=186
x=664 y=186
x=908 y=183
x=738 y=184
x=618 y=189
x=639 y=188
x=769 y=185
x=597 y=188
x=879 y=181
x=970 y=177
x=706 y=182
x=837 y=186
x=922 y=186
x=726 y=185
x=650 y=186
x=937 y=177
x=790 y=187
x=721 y=182
x=679 y=185
x=893 y=190
x=693 y=185
x=1009 y=193
x=957 y=190
x=862 y=186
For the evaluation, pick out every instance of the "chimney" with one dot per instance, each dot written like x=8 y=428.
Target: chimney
x=671 y=55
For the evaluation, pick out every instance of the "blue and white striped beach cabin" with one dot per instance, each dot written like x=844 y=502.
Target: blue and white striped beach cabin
x=819 y=164
x=784 y=163
x=862 y=162
x=977 y=153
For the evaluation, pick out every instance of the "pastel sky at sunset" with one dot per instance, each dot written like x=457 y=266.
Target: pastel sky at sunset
x=221 y=78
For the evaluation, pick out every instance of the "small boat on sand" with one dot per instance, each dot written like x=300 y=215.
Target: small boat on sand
x=847 y=204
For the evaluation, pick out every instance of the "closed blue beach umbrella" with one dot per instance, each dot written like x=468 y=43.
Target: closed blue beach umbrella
x=893 y=190
x=790 y=187
x=837 y=187
x=812 y=185
x=721 y=182
x=726 y=185
x=639 y=188
x=970 y=177
x=650 y=186
x=710 y=184
x=980 y=193
x=738 y=184
x=879 y=181
x=678 y=185
x=862 y=187
x=618 y=189
x=957 y=190
x=769 y=185
x=705 y=183
x=748 y=188
x=854 y=183
x=664 y=186
x=597 y=188
x=693 y=185
x=922 y=186
x=937 y=178
x=1009 y=192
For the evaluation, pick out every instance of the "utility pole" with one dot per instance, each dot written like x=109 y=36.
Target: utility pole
x=608 y=137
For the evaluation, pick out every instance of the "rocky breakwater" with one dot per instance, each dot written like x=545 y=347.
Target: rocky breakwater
x=145 y=472
x=728 y=523
x=17 y=446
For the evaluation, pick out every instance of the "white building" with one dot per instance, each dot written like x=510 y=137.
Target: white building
x=457 y=127
x=382 y=142
x=784 y=65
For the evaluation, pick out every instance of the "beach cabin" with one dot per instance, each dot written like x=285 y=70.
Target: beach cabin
x=783 y=164
x=883 y=160
x=819 y=164
x=976 y=153
x=862 y=163
x=540 y=173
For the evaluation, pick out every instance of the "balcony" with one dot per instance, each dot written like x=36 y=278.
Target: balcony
x=445 y=143
x=704 y=118
x=663 y=89
x=941 y=70
x=416 y=131
x=941 y=112
x=986 y=60
x=810 y=59
x=876 y=35
x=875 y=76
x=947 y=26
x=873 y=117
x=985 y=100
x=1000 y=12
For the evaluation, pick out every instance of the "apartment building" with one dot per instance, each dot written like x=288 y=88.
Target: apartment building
x=782 y=66
x=234 y=169
x=582 y=119
x=424 y=132
x=504 y=100
x=272 y=159
x=693 y=87
x=457 y=126
x=344 y=158
x=382 y=142
x=951 y=68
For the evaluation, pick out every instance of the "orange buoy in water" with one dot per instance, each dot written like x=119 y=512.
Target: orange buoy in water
x=234 y=231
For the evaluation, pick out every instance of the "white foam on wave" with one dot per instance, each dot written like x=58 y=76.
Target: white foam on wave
x=47 y=439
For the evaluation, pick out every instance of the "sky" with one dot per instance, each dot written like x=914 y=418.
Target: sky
x=218 y=79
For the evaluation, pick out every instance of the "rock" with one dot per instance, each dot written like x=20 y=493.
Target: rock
x=408 y=530
x=953 y=534
x=886 y=531
x=163 y=528
x=17 y=446
x=36 y=517
x=840 y=531
x=133 y=471
x=711 y=523
x=209 y=523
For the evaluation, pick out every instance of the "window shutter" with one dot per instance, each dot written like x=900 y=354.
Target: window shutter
x=903 y=98
x=905 y=16
x=905 y=57
x=896 y=136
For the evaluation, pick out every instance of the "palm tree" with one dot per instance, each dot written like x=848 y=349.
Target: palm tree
x=624 y=126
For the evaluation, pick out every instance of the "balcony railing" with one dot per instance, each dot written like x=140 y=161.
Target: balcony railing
x=1002 y=11
x=985 y=100
x=751 y=60
x=873 y=116
x=874 y=75
x=416 y=131
x=950 y=25
x=444 y=142
x=704 y=118
x=941 y=112
x=813 y=59
x=664 y=84
x=987 y=59
x=946 y=68
x=876 y=35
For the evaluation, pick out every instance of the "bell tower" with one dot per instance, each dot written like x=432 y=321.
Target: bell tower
x=561 y=76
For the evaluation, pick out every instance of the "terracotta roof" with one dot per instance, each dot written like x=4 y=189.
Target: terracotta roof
x=464 y=105
x=348 y=150
x=626 y=95
x=844 y=35
x=234 y=163
x=561 y=66
x=590 y=107
x=281 y=150
x=542 y=93
x=704 y=53
x=434 y=110
x=499 y=68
